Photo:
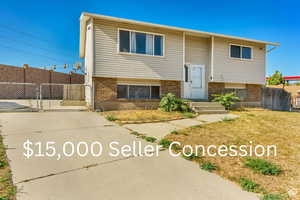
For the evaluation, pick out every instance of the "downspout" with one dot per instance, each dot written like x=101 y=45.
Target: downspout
x=212 y=58
x=183 y=60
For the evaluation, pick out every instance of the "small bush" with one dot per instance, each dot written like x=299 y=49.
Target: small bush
x=150 y=139
x=111 y=118
x=188 y=114
x=190 y=157
x=249 y=185
x=227 y=100
x=263 y=166
x=170 y=103
x=165 y=143
x=272 y=197
x=208 y=166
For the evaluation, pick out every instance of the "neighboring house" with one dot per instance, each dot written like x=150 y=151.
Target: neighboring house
x=130 y=64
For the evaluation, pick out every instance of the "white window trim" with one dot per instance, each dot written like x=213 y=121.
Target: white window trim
x=140 y=54
x=139 y=84
x=242 y=59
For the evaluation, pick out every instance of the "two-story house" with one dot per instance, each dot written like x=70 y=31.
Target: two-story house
x=130 y=64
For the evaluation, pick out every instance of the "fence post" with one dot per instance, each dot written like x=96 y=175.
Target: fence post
x=41 y=104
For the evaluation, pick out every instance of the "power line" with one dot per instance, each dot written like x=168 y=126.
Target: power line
x=24 y=33
x=6 y=27
x=26 y=43
x=20 y=50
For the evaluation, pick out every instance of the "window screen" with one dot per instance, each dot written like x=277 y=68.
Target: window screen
x=139 y=92
x=235 y=51
x=246 y=52
x=158 y=45
x=124 y=41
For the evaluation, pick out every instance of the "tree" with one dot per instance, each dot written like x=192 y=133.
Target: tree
x=276 y=79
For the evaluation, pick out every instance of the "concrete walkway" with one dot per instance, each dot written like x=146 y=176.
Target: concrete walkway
x=161 y=129
x=105 y=177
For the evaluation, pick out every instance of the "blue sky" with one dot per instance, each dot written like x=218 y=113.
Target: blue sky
x=44 y=33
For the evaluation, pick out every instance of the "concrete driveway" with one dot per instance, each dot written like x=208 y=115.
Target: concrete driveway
x=105 y=177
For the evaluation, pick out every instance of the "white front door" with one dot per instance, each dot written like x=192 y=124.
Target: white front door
x=194 y=86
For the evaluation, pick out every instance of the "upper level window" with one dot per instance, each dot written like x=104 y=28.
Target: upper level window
x=140 y=43
x=242 y=52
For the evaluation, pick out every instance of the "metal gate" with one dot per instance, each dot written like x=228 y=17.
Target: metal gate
x=19 y=97
x=57 y=96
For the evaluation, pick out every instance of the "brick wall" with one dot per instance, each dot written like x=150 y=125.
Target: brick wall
x=33 y=75
x=253 y=91
x=170 y=87
x=106 y=95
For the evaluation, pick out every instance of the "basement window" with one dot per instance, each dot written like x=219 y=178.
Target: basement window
x=239 y=90
x=242 y=52
x=138 y=91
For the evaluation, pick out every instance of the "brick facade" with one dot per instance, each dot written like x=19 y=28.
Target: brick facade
x=171 y=87
x=106 y=95
x=253 y=91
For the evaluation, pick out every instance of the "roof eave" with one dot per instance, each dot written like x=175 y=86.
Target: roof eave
x=85 y=14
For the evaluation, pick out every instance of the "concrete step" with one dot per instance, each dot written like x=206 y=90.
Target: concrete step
x=208 y=107
x=213 y=112
x=205 y=104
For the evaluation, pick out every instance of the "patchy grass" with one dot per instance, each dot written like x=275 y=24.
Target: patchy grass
x=263 y=166
x=111 y=118
x=190 y=157
x=150 y=139
x=208 y=166
x=165 y=143
x=146 y=116
x=262 y=127
x=7 y=189
x=249 y=185
x=273 y=197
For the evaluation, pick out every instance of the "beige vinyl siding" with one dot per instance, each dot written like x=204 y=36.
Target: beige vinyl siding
x=233 y=70
x=197 y=51
x=110 y=63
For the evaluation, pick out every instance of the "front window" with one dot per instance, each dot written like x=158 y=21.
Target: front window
x=138 y=91
x=242 y=52
x=140 y=43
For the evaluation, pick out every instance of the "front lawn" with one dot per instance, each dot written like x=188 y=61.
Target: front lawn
x=144 y=116
x=7 y=190
x=271 y=176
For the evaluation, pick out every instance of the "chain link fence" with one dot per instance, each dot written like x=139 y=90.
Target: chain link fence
x=41 y=97
x=19 y=96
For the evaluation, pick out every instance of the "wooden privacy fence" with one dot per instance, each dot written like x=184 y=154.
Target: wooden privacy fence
x=276 y=99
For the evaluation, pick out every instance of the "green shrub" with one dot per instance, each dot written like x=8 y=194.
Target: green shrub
x=111 y=118
x=170 y=102
x=165 y=143
x=150 y=139
x=208 y=166
x=263 y=166
x=227 y=100
x=135 y=133
x=272 y=197
x=249 y=185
